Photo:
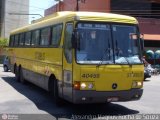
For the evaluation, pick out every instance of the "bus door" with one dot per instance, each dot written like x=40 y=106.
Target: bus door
x=67 y=62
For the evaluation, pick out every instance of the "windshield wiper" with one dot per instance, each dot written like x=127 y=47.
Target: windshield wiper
x=118 y=52
x=106 y=52
x=126 y=60
x=130 y=65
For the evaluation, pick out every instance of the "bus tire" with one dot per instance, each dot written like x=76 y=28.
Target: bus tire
x=57 y=99
x=17 y=74
x=22 y=80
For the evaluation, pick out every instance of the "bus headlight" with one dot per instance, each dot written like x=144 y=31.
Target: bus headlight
x=83 y=85
x=137 y=84
x=87 y=86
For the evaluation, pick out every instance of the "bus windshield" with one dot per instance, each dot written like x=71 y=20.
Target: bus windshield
x=108 y=44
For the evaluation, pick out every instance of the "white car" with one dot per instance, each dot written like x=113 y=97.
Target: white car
x=147 y=73
x=6 y=66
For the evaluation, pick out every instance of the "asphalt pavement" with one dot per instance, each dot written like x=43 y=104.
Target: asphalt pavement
x=24 y=102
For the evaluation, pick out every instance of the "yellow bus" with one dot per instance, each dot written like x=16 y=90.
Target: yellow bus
x=81 y=57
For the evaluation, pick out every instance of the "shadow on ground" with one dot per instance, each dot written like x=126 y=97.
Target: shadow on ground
x=147 y=80
x=43 y=101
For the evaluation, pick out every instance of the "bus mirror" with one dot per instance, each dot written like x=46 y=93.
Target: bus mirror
x=73 y=41
x=76 y=40
x=142 y=41
x=142 y=36
x=133 y=36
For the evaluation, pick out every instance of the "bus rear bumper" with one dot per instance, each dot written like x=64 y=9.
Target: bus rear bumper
x=104 y=97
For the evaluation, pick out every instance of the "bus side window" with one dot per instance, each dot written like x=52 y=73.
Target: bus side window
x=35 y=38
x=16 y=40
x=67 y=42
x=45 y=36
x=21 y=41
x=56 y=35
x=27 y=38
x=11 y=42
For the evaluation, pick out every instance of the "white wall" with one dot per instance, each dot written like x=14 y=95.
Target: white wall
x=15 y=21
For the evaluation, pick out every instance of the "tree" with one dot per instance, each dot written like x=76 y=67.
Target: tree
x=3 y=42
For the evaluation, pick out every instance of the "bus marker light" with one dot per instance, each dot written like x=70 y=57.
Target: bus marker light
x=76 y=18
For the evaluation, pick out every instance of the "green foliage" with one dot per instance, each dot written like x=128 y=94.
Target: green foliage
x=3 y=42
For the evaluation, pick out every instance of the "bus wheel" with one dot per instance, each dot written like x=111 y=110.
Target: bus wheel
x=57 y=99
x=17 y=74
x=22 y=80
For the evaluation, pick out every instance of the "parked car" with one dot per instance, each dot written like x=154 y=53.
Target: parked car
x=6 y=66
x=148 y=70
x=147 y=73
x=152 y=70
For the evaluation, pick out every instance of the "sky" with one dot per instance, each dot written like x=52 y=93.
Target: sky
x=38 y=7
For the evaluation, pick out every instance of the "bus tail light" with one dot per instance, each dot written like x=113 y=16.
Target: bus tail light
x=76 y=85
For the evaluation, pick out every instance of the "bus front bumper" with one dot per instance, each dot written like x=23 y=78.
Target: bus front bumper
x=81 y=96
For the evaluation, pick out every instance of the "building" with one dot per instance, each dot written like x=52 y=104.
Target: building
x=146 y=11
x=1 y=15
x=8 y=21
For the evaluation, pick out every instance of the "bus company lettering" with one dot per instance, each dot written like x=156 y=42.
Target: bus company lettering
x=134 y=74
x=39 y=55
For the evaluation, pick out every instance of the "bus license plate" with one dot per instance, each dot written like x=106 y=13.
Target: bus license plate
x=112 y=99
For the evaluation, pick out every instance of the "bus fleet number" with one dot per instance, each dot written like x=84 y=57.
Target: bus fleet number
x=90 y=76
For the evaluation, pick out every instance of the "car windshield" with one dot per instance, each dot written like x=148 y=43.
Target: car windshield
x=107 y=44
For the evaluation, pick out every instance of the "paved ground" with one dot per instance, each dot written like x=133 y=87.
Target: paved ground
x=16 y=98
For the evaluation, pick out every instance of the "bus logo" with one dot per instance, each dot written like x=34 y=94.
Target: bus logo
x=114 y=85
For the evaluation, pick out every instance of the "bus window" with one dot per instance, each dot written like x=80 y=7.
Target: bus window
x=45 y=36
x=95 y=44
x=21 y=41
x=56 y=34
x=16 y=40
x=35 y=37
x=27 y=38
x=11 y=42
x=67 y=43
